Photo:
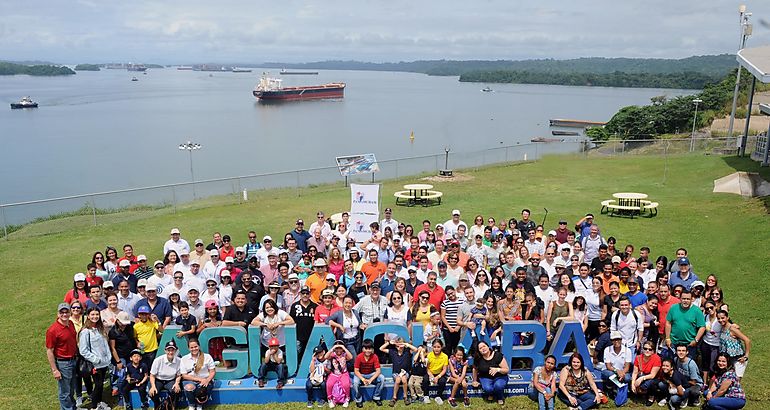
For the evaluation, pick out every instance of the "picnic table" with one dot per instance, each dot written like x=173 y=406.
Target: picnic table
x=629 y=203
x=418 y=194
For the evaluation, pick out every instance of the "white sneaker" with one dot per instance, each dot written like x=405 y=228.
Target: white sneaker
x=79 y=402
x=199 y=407
x=331 y=404
x=192 y=408
x=439 y=401
x=662 y=402
x=685 y=403
x=483 y=333
x=345 y=404
x=426 y=400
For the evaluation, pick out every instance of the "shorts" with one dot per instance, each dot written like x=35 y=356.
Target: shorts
x=740 y=368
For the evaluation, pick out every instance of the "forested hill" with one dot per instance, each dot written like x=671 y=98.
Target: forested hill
x=711 y=65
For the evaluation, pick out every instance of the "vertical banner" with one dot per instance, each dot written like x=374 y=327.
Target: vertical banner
x=364 y=199
x=359 y=225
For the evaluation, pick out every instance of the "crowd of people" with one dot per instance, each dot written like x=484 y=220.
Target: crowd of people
x=655 y=330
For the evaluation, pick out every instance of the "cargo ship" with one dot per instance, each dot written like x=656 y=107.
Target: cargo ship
x=270 y=89
x=136 y=67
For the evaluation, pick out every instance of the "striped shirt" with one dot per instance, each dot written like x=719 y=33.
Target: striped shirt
x=451 y=309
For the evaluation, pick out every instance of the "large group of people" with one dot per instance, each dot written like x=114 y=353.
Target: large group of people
x=654 y=329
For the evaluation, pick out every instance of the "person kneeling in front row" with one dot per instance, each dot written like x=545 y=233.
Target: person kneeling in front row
x=165 y=375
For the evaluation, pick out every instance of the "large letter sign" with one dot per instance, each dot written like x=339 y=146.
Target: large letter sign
x=246 y=355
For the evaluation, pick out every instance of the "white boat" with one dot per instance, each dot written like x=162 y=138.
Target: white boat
x=25 y=102
x=486 y=89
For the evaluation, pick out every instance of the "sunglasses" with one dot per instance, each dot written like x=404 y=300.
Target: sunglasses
x=198 y=244
x=76 y=307
x=225 y=240
x=211 y=286
x=424 y=297
x=293 y=281
x=252 y=237
x=647 y=349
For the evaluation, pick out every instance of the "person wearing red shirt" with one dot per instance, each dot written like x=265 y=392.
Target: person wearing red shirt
x=326 y=308
x=91 y=277
x=665 y=301
x=435 y=291
x=366 y=371
x=79 y=290
x=128 y=254
x=226 y=249
x=644 y=376
x=61 y=350
x=373 y=268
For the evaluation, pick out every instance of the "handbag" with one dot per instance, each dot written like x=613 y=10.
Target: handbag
x=84 y=366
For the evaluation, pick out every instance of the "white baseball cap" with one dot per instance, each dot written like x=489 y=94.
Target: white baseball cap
x=456 y=212
x=79 y=277
x=175 y=231
x=141 y=258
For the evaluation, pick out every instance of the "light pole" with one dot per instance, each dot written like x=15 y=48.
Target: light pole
x=746 y=29
x=190 y=147
x=694 y=120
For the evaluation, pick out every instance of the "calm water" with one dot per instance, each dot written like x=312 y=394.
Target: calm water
x=98 y=131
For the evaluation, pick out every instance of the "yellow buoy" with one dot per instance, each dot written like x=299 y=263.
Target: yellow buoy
x=411 y=137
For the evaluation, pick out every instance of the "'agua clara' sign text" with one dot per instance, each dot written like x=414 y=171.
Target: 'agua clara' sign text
x=246 y=354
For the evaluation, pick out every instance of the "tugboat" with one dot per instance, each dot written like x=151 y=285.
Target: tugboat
x=25 y=102
x=134 y=79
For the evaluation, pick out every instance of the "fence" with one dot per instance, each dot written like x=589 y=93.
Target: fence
x=135 y=202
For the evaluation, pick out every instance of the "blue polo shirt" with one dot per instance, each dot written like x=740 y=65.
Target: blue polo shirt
x=676 y=279
x=387 y=285
x=162 y=308
x=637 y=300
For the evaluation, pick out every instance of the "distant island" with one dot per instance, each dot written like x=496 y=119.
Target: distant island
x=87 y=67
x=691 y=72
x=34 y=70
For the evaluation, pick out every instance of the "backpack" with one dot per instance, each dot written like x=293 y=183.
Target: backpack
x=616 y=315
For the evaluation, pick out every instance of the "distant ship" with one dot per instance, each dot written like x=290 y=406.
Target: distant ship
x=270 y=89
x=184 y=68
x=134 y=79
x=486 y=89
x=241 y=70
x=136 y=67
x=25 y=102
x=565 y=133
x=285 y=72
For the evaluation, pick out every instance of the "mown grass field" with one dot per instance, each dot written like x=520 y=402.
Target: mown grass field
x=726 y=234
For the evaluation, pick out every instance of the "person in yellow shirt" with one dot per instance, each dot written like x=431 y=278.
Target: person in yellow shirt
x=146 y=331
x=436 y=375
x=317 y=281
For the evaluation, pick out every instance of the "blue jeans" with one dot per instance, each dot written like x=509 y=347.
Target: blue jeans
x=725 y=403
x=648 y=385
x=585 y=401
x=606 y=374
x=279 y=368
x=379 y=384
x=161 y=385
x=190 y=394
x=66 y=383
x=691 y=393
x=311 y=390
x=494 y=387
x=538 y=397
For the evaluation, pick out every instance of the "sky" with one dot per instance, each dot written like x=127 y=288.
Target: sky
x=194 y=31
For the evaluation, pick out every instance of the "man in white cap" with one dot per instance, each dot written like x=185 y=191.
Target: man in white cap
x=184 y=263
x=270 y=269
x=195 y=278
x=450 y=226
x=176 y=243
x=389 y=221
x=142 y=271
x=159 y=277
x=200 y=253
x=317 y=281
x=123 y=274
x=214 y=267
x=240 y=261
x=61 y=351
x=267 y=246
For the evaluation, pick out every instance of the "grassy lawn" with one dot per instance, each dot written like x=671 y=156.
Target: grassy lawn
x=725 y=234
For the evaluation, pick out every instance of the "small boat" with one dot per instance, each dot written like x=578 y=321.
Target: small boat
x=285 y=72
x=25 y=102
x=241 y=70
x=134 y=79
x=565 y=133
x=486 y=89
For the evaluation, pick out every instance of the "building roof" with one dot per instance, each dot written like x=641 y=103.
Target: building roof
x=757 y=61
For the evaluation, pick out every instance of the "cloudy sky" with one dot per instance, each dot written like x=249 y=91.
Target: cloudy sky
x=295 y=31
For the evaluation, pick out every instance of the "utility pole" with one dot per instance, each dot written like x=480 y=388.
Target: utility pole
x=190 y=147
x=746 y=29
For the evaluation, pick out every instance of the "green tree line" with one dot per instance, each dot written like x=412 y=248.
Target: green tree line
x=664 y=116
x=36 y=70
x=687 y=80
